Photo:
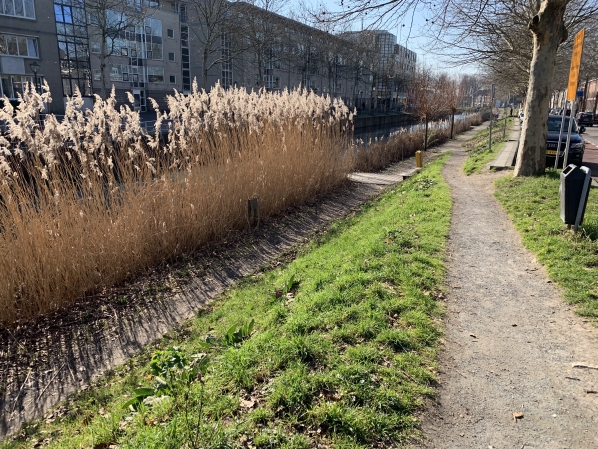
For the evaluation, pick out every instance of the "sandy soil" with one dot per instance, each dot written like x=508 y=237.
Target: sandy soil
x=506 y=373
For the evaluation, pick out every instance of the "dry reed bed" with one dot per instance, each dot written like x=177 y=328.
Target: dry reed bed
x=403 y=143
x=94 y=201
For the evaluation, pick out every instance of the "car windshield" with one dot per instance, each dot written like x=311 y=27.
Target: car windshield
x=554 y=125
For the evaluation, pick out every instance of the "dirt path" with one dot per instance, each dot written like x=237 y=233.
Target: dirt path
x=510 y=339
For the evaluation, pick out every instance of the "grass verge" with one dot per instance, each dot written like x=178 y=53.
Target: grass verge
x=480 y=155
x=335 y=349
x=570 y=259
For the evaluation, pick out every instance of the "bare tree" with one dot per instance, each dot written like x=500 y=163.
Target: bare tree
x=214 y=33
x=470 y=25
x=110 y=21
x=453 y=94
x=262 y=33
x=427 y=95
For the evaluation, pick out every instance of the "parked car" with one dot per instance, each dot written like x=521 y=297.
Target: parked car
x=577 y=144
x=585 y=118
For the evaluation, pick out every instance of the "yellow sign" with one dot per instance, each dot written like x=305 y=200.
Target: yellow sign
x=575 y=63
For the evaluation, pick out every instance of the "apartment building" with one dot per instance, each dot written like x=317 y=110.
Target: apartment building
x=150 y=47
x=143 y=58
x=28 y=44
x=391 y=65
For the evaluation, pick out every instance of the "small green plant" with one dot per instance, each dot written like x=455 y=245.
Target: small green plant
x=423 y=183
x=237 y=334
x=173 y=373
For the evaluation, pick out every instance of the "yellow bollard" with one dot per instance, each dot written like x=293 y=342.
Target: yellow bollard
x=419 y=159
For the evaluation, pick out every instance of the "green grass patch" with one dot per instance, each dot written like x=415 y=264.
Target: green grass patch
x=336 y=349
x=479 y=153
x=571 y=259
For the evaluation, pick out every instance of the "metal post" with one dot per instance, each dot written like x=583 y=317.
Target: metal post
x=573 y=107
x=582 y=200
x=490 y=135
x=558 y=145
x=492 y=87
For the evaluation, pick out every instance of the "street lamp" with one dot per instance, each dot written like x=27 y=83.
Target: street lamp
x=34 y=66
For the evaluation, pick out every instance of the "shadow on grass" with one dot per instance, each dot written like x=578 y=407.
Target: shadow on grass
x=550 y=173
x=590 y=231
x=43 y=361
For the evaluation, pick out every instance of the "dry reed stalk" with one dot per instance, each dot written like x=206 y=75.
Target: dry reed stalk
x=120 y=202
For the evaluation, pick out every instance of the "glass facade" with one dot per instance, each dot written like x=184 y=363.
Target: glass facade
x=185 y=58
x=227 y=65
x=71 y=30
x=142 y=42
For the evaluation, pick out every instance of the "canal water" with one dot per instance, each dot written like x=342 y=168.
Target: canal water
x=373 y=135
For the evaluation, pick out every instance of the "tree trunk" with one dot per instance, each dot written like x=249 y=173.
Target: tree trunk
x=585 y=95
x=426 y=136
x=206 y=55
x=103 y=68
x=452 y=122
x=595 y=100
x=549 y=32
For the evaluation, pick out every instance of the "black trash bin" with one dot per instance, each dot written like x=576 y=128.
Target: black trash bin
x=573 y=192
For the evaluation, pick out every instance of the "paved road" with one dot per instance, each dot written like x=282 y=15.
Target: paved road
x=510 y=341
x=590 y=158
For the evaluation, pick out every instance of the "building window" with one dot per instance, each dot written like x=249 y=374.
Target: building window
x=17 y=8
x=171 y=56
x=18 y=46
x=170 y=33
x=97 y=75
x=12 y=85
x=155 y=74
x=172 y=79
x=116 y=71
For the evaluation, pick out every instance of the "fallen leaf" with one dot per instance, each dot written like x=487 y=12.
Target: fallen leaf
x=472 y=335
x=247 y=404
x=517 y=415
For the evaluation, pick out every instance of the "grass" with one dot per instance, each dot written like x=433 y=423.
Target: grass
x=342 y=352
x=480 y=155
x=570 y=259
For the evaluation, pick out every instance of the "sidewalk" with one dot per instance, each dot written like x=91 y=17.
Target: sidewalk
x=590 y=160
x=506 y=158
